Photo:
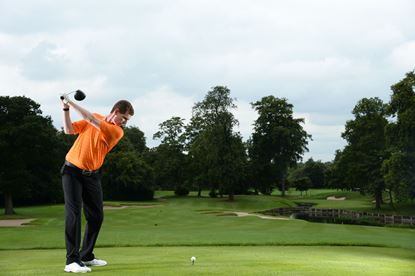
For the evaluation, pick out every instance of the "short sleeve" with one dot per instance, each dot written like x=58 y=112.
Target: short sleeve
x=79 y=126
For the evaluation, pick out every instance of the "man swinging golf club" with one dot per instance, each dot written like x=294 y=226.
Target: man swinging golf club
x=81 y=177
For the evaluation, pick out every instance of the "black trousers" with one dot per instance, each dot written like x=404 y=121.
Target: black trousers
x=81 y=191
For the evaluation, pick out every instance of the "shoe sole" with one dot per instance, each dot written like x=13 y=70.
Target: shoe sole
x=67 y=270
x=88 y=264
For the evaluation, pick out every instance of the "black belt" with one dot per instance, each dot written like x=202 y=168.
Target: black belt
x=81 y=171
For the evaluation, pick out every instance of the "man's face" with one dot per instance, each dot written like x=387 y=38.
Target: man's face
x=121 y=119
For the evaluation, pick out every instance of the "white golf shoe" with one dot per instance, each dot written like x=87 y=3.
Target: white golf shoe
x=76 y=268
x=95 y=262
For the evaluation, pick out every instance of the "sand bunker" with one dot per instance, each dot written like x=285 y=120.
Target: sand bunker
x=115 y=207
x=244 y=214
x=14 y=222
x=336 y=198
x=128 y=206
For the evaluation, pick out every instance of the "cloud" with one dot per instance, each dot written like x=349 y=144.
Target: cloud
x=403 y=56
x=156 y=106
x=326 y=138
x=44 y=62
x=323 y=56
x=246 y=117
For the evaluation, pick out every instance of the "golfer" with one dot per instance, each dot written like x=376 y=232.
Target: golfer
x=81 y=178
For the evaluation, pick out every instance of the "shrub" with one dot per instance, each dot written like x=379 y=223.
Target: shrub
x=181 y=191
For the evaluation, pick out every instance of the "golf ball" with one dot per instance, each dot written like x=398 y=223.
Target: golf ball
x=193 y=259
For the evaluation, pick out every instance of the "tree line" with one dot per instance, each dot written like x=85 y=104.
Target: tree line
x=380 y=152
x=207 y=153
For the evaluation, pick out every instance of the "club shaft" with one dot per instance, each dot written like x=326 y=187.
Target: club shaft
x=66 y=94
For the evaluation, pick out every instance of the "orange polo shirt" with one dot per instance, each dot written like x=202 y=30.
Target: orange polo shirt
x=92 y=145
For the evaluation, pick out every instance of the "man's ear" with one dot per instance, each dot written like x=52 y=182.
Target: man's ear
x=116 y=111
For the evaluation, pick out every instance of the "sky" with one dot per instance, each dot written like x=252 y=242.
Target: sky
x=164 y=56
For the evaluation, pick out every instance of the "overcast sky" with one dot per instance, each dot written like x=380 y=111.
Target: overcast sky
x=163 y=56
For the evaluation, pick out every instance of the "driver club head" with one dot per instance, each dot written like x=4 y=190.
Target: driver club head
x=79 y=95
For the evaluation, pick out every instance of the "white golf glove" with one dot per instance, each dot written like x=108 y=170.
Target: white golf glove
x=65 y=99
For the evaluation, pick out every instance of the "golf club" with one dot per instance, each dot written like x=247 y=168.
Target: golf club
x=79 y=95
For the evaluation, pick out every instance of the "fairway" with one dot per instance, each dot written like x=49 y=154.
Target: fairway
x=226 y=260
x=159 y=237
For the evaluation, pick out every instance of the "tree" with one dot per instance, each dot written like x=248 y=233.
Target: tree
x=200 y=160
x=28 y=151
x=136 y=137
x=399 y=168
x=295 y=172
x=278 y=141
x=126 y=172
x=398 y=176
x=366 y=148
x=315 y=171
x=213 y=146
x=233 y=172
x=172 y=132
x=126 y=176
x=336 y=173
x=302 y=184
x=169 y=160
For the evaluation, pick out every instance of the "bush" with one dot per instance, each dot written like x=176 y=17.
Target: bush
x=126 y=176
x=213 y=194
x=129 y=194
x=181 y=191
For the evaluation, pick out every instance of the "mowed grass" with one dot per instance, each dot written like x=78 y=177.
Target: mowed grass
x=224 y=260
x=159 y=237
x=191 y=221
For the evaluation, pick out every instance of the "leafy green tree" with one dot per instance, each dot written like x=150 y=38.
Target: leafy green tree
x=336 y=173
x=262 y=176
x=278 y=142
x=172 y=132
x=169 y=167
x=294 y=173
x=315 y=171
x=169 y=159
x=29 y=163
x=127 y=174
x=399 y=168
x=215 y=149
x=66 y=141
x=302 y=184
x=136 y=137
x=233 y=172
x=398 y=177
x=366 y=147
x=200 y=160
